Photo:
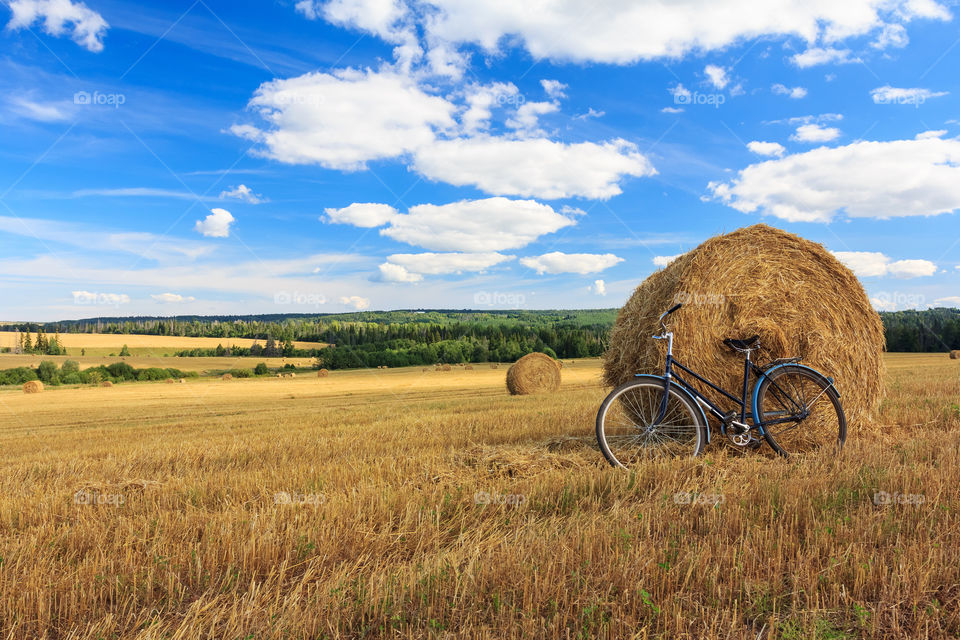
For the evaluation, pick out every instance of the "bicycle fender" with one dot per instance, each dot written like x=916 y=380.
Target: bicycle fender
x=683 y=392
x=756 y=388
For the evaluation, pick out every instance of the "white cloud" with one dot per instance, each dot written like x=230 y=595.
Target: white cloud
x=361 y=214
x=627 y=32
x=863 y=180
x=681 y=95
x=894 y=95
x=717 y=76
x=662 y=261
x=815 y=133
x=591 y=113
x=527 y=117
x=582 y=263
x=672 y=110
x=481 y=99
x=41 y=112
x=868 y=264
x=476 y=226
x=85 y=26
x=794 y=92
x=171 y=297
x=344 y=120
x=216 y=225
x=94 y=298
x=766 y=148
x=444 y=263
x=395 y=273
x=892 y=35
x=554 y=88
x=356 y=302
x=534 y=167
x=242 y=192
x=817 y=56
x=953 y=301
x=599 y=287
x=926 y=135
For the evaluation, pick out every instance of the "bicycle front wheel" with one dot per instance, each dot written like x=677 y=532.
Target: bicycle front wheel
x=801 y=413
x=628 y=431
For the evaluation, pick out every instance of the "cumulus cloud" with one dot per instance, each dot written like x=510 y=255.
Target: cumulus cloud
x=390 y=272
x=481 y=100
x=242 y=192
x=216 y=225
x=84 y=26
x=445 y=263
x=345 y=119
x=361 y=214
x=868 y=264
x=662 y=261
x=766 y=148
x=862 y=180
x=526 y=120
x=717 y=76
x=94 y=298
x=794 y=92
x=554 y=88
x=815 y=133
x=171 y=297
x=533 y=167
x=951 y=301
x=356 y=302
x=599 y=287
x=817 y=56
x=895 y=95
x=582 y=263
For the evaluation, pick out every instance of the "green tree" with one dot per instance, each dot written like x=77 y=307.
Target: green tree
x=124 y=351
x=261 y=369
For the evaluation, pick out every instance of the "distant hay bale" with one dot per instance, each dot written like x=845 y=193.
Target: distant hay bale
x=533 y=373
x=494 y=366
x=279 y=375
x=170 y=381
x=425 y=369
x=182 y=381
x=293 y=375
x=106 y=383
x=791 y=292
x=955 y=354
x=226 y=376
x=322 y=373
x=446 y=367
x=33 y=386
x=468 y=367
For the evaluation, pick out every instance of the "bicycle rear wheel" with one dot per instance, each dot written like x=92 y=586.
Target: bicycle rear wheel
x=801 y=412
x=628 y=431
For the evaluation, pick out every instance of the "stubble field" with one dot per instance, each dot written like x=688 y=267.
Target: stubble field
x=413 y=504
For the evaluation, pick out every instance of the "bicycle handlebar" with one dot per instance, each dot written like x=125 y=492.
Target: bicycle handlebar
x=673 y=308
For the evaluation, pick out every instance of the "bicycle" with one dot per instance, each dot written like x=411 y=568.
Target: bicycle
x=794 y=408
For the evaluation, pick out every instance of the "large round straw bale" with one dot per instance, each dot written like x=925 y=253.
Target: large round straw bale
x=446 y=367
x=791 y=292
x=533 y=373
x=227 y=376
x=170 y=381
x=322 y=373
x=106 y=383
x=33 y=386
x=955 y=354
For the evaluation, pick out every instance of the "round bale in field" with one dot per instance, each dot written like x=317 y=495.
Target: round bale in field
x=323 y=373
x=446 y=367
x=533 y=373
x=106 y=383
x=33 y=386
x=793 y=293
x=227 y=376
x=955 y=354
x=170 y=381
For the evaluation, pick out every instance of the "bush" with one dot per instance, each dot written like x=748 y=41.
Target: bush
x=122 y=370
x=153 y=373
x=288 y=367
x=261 y=369
x=71 y=378
x=68 y=367
x=241 y=373
x=48 y=372
x=17 y=376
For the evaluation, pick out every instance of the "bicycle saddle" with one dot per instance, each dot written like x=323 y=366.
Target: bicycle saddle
x=741 y=345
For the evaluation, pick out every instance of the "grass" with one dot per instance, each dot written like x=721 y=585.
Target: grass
x=9 y=361
x=412 y=504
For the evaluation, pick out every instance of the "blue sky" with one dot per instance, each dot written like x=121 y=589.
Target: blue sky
x=309 y=156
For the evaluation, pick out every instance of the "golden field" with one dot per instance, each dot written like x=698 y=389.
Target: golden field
x=11 y=360
x=412 y=504
x=102 y=344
